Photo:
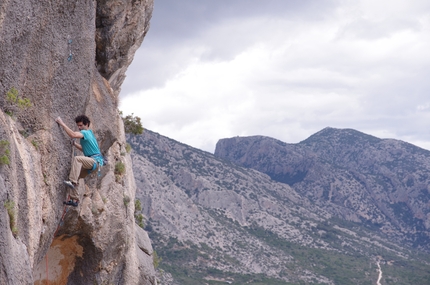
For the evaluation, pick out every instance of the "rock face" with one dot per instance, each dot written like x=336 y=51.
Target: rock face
x=121 y=26
x=67 y=58
x=357 y=177
x=210 y=219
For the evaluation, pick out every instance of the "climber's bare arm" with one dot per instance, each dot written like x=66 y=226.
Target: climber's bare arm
x=70 y=133
x=78 y=146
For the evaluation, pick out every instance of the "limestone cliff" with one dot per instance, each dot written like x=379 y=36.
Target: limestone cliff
x=65 y=58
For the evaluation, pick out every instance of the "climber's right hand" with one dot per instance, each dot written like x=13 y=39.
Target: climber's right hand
x=59 y=121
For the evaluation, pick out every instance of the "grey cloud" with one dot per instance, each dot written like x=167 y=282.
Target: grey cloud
x=178 y=27
x=152 y=67
x=380 y=87
x=175 y=19
x=371 y=30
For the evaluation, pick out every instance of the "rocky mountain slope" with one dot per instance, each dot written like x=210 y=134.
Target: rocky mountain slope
x=212 y=222
x=383 y=183
x=66 y=58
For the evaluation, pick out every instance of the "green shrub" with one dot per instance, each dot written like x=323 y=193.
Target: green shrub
x=119 y=171
x=24 y=103
x=35 y=144
x=126 y=199
x=139 y=220
x=45 y=179
x=16 y=103
x=156 y=259
x=4 y=152
x=10 y=207
x=3 y=144
x=12 y=95
x=137 y=214
x=4 y=160
x=128 y=148
x=133 y=125
x=137 y=205
x=119 y=168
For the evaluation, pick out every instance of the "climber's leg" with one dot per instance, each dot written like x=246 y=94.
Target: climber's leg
x=80 y=167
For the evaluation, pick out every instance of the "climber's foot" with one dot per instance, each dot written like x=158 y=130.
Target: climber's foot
x=70 y=184
x=71 y=203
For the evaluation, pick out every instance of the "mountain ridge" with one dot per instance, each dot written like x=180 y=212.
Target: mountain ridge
x=377 y=167
x=206 y=215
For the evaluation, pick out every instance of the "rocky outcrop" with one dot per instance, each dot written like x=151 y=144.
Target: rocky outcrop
x=48 y=55
x=121 y=26
x=354 y=176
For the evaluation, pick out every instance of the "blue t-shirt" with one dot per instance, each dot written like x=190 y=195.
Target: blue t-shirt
x=89 y=144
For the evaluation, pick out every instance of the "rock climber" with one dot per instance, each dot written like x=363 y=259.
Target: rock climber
x=81 y=165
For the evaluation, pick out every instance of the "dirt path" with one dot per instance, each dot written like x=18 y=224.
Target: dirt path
x=380 y=274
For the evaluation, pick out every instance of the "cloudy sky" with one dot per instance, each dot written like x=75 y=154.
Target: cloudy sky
x=211 y=69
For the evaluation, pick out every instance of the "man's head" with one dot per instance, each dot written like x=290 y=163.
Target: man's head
x=82 y=122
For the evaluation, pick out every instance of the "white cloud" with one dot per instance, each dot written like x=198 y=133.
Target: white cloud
x=363 y=66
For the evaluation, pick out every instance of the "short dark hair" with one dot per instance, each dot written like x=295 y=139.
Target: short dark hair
x=83 y=119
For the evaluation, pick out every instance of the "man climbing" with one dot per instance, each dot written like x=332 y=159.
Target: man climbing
x=81 y=165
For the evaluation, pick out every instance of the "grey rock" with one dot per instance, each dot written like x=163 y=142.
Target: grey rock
x=50 y=53
x=120 y=28
x=143 y=241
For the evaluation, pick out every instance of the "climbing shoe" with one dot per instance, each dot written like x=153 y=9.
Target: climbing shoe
x=71 y=203
x=69 y=184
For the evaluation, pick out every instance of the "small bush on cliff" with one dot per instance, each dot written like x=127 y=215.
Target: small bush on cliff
x=128 y=148
x=10 y=207
x=15 y=103
x=137 y=214
x=133 y=125
x=126 y=199
x=4 y=160
x=35 y=144
x=119 y=170
x=156 y=259
x=4 y=152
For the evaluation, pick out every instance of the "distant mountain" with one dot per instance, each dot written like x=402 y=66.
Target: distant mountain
x=213 y=221
x=382 y=183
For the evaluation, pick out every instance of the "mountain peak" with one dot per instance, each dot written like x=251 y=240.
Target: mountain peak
x=333 y=135
x=361 y=177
